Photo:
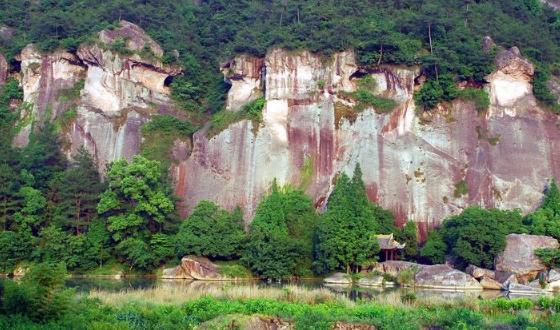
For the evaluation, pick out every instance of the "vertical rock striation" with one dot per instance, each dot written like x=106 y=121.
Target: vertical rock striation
x=422 y=167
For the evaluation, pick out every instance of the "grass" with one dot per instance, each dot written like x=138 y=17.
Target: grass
x=251 y=111
x=160 y=133
x=478 y=96
x=233 y=269
x=191 y=291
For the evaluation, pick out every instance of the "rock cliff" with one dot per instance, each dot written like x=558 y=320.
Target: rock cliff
x=104 y=92
x=423 y=167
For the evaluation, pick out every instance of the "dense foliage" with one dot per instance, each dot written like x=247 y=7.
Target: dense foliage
x=474 y=237
x=280 y=238
x=212 y=232
x=546 y=219
x=346 y=234
x=443 y=36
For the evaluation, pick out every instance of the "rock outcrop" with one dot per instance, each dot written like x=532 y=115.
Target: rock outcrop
x=479 y=273
x=197 y=268
x=410 y=164
x=111 y=93
x=371 y=280
x=444 y=277
x=519 y=255
x=338 y=279
x=309 y=133
x=394 y=267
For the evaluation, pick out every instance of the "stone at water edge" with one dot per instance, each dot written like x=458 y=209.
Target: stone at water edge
x=479 y=273
x=553 y=286
x=201 y=268
x=394 y=267
x=488 y=283
x=519 y=255
x=175 y=273
x=338 y=278
x=517 y=288
x=373 y=280
x=339 y=325
x=444 y=277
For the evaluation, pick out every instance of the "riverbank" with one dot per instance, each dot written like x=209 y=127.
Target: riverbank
x=292 y=307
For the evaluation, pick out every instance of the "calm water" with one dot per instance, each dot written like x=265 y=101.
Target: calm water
x=86 y=284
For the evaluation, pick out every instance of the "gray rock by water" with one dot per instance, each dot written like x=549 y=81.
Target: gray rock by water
x=445 y=277
x=338 y=278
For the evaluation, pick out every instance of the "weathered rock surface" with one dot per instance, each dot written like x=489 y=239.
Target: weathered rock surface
x=394 y=267
x=410 y=164
x=338 y=278
x=198 y=268
x=488 y=283
x=553 y=275
x=519 y=255
x=521 y=289
x=247 y=322
x=479 y=273
x=445 y=278
x=373 y=280
x=119 y=94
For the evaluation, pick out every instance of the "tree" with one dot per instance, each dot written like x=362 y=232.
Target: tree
x=434 y=249
x=211 y=231
x=29 y=216
x=14 y=247
x=477 y=235
x=408 y=235
x=546 y=219
x=137 y=204
x=79 y=190
x=345 y=236
x=279 y=240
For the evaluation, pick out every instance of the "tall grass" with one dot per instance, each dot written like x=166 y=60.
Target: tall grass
x=179 y=294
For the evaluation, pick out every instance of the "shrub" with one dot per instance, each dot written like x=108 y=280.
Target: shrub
x=549 y=257
x=478 y=96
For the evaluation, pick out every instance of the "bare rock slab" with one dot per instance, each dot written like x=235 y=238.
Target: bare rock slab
x=445 y=278
x=479 y=273
x=519 y=255
x=338 y=278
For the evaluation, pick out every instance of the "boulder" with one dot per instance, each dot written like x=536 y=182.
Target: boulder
x=175 y=273
x=373 y=280
x=488 y=283
x=394 y=267
x=554 y=275
x=516 y=288
x=553 y=286
x=519 y=255
x=194 y=267
x=479 y=273
x=201 y=268
x=445 y=277
x=338 y=278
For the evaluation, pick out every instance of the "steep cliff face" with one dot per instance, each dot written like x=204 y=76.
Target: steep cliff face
x=109 y=94
x=422 y=167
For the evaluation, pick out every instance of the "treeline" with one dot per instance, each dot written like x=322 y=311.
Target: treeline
x=443 y=36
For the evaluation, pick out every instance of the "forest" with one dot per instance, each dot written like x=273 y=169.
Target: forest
x=444 y=37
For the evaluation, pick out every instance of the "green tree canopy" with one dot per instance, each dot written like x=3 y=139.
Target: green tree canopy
x=211 y=231
x=346 y=232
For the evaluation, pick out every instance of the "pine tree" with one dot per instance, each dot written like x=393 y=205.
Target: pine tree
x=79 y=189
x=345 y=238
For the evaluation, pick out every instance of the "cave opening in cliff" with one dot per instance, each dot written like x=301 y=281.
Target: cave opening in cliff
x=15 y=66
x=168 y=81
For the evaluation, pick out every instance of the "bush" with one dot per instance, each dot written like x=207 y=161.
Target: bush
x=549 y=257
x=478 y=96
